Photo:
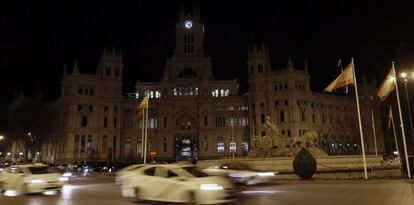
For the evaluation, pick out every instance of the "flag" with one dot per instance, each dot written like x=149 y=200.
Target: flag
x=345 y=78
x=387 y=86
x=390 y=118
x=345 y=90
x=140 y=108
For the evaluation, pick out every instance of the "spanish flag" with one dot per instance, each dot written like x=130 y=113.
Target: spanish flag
x=387 y=86
x=345 y=78
x=141 y=107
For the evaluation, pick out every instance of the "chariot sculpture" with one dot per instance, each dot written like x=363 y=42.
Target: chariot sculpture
x=274 y=144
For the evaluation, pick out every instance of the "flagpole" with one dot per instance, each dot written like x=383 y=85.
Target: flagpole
x=142 y=133
x=402 y=124
x=395 y=134
x=359 y=121
x=373 y=130
x=146 y=132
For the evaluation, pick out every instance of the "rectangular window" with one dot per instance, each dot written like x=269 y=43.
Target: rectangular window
x=288 y=132
x=260 y=68
x=262 y=118
x=282 y=116
x=117 y=72
x=243 y=121
x=114 y=145
x=108 y=71
x=165 y=122
x=286 y=102
x=244 y=145
x=303 y=116
x=313 y=118
x=89 y=144
x=206 y=144
x=83 y=143
x=232 y=147
x=220 y=121
x=127 y=149
x=220 y=144
x=115 y=122
x=76 y=145
x=261 y=105
x=104 y=144
x=205 y=121
x=84 y=121
x=105 y=122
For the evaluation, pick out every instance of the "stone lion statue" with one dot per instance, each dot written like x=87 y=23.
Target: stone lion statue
x=308 y=139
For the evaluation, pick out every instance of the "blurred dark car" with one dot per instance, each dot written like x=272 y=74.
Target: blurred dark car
x=240 y=173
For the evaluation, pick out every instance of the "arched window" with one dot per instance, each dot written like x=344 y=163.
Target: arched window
x=187 y=73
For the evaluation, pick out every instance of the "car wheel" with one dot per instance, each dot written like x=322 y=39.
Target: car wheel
x=191 y=199
x=137 y=194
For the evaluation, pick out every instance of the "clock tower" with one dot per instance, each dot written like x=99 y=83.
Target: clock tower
x=189 y=34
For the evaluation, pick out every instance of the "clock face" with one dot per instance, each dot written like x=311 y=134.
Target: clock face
x=188 y=24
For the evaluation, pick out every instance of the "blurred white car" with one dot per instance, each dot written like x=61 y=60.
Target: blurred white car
x=240 y=173
x=31 y=178
x=177 y=183
x=126 y=172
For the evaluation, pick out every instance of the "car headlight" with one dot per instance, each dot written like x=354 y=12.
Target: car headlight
x=214 y=187
x=266 y=174
x=37 y=181
x=67 y=174
x=63 y=179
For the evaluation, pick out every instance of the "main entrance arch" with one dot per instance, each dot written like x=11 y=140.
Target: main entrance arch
x=186 y=138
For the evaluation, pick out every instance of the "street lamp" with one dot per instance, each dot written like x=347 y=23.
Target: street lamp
x=405 y=77
x=1 y=147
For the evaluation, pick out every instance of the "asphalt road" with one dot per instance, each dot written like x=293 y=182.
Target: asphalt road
x=102 y=191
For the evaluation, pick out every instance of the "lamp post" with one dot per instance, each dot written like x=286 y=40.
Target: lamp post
x=2 y=144
x=405 y=77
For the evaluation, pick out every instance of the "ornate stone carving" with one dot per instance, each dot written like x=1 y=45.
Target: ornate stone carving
x=276 y=145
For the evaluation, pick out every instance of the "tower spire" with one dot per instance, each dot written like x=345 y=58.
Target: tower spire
x=290 y=64
x=75 y=67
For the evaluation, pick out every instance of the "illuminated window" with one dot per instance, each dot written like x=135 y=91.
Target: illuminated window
x=157 y=94
x=220 y=144
x=89 y=144
x=244 y=145
x=233 y=147
x=244 y=121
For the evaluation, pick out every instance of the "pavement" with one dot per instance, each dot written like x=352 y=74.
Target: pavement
x=94 y=189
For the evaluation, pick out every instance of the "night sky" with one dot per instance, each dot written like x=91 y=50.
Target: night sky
x=37 y=38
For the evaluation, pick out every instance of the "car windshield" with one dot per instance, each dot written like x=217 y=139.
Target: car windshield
x=194 y=171
x=42 y=170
